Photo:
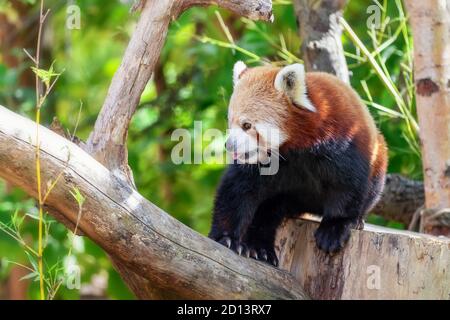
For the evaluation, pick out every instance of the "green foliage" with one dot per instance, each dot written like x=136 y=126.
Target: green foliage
x=196 y=66
x=391 y=48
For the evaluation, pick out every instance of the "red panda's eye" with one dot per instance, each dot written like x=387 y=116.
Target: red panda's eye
x=246 y=126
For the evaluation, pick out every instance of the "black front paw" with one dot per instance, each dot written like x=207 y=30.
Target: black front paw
x=232 y=243
x=332 y=235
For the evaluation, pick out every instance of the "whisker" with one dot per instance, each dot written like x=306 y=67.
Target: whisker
x=277 y=153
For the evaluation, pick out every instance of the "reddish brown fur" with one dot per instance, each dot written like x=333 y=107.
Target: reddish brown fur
x=341 y=180
x=340 y=113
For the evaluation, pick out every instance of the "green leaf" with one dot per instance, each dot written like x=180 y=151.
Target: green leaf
x=31 y=275
x=17 y=220
x=78 y=196
x=32 y=216
x=46 y=75
x=33 y=261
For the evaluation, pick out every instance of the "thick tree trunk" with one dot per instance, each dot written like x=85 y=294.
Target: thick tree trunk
x=430 y=22
x=377 y=263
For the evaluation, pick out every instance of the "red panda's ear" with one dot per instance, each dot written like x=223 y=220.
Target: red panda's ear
x=238 y=69
x=291 y=81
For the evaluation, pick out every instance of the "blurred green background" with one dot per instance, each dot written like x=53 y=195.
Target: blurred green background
x=192 y=82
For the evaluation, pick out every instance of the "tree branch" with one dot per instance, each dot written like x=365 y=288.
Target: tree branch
x=401 y=198
x=320 y=32
x=142 y=240
x=252 y=9
x=107 y=142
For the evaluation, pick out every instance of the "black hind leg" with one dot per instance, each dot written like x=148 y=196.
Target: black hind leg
x=376 y=186
x=333 y=233
x=260 y=237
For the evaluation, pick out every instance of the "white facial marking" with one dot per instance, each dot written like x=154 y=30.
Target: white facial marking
x=291 y=81
x=245 y=146
x=272 y=135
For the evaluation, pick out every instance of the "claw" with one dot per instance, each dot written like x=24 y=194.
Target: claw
x=239 y=249
x=273 y=260
x=264 y=256
x=225 y=241
x=264 y=253
x=254 y=254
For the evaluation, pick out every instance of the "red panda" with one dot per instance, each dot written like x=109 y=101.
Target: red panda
x=332 y=159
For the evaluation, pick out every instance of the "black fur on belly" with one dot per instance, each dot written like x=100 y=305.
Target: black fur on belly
x=331 y=180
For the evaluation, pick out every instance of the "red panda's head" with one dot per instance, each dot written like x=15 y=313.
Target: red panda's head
x=262 y=100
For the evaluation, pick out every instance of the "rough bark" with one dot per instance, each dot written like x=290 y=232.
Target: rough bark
x=157 y=255
x=430 y=22
x=320 y=33
x=107 y=142
x=377 y=263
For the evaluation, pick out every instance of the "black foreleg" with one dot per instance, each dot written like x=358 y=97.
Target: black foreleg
x=234 y=208
x=260 y=238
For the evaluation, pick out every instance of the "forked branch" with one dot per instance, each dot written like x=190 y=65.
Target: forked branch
x=107 y=142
